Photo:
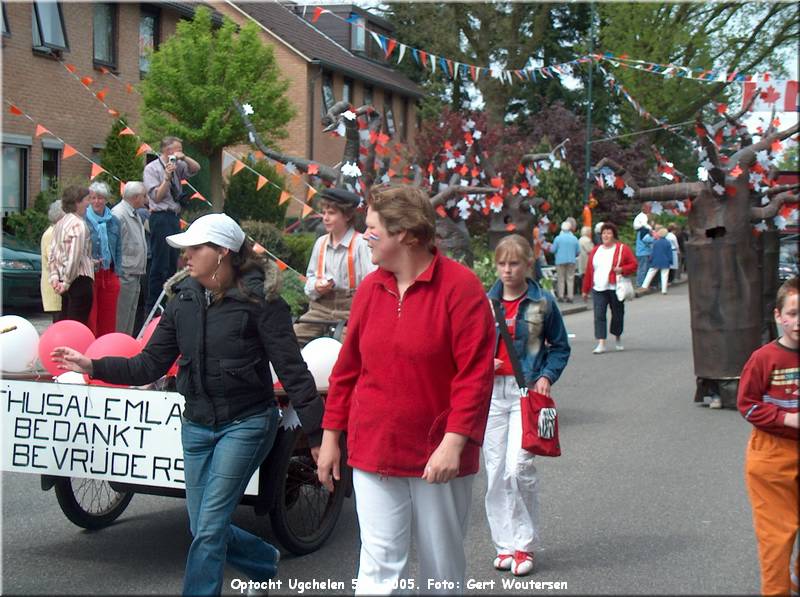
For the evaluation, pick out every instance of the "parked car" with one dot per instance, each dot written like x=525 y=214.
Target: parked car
x=788 y=257
x=21 y=271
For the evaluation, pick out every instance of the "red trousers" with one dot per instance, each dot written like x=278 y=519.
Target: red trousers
x=771 y=474
x=103 y=317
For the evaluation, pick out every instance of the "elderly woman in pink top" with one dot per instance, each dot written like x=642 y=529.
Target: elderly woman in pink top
x=70 y=260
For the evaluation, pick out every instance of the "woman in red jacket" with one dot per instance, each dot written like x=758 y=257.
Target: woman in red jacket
x=411 y=388
x=607 y=260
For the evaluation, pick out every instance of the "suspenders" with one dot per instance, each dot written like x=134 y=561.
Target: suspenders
x=351 y=266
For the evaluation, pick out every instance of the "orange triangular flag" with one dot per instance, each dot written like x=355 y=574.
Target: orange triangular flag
x=311 y=192
x=129 y=88
x=104 y=70
x=69 y=151
x=14 y=110
x=142 y=148
x=96 y=169
x=113 y=113
x=259 y=249
x=126 y=131
x=237 y=167
x=281 y=265
x=306 y=210
x=197 y=195
x=184 y=181
x=261 y=182
x=121 y=188
x=101 y=95
x=284 y=198
x=71 y=67
x=87 y=81
x=183 y=224
x=40 y=130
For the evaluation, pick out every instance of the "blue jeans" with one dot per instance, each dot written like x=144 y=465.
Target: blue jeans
x=641 y=271
x=218 y=463
x=164 y=261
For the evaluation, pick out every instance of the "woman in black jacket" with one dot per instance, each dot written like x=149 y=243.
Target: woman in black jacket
x=226 y=323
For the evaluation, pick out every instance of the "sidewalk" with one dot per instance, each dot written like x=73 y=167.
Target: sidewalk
x=569 y=309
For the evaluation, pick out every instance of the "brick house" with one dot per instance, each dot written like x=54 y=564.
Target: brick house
x=107 y=42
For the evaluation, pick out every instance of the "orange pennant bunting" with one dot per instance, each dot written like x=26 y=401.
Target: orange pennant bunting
x=261 y=182
x=101 y=95
x=113 y=113
x=40 y=130
x=129 y=88
x=96 y=170
x=184 y=181
x=281 y=265
x=121 y=188
x=14 y=110
x=104 y=70
x=306 y=210
x=126 y=131
x=69 y=151
x=184 y=224
x=70 y=67
x=238 y=165
x=259 y=249
x=143 y=148
x=311 y=192
x=284 y=198
x=87 y=81
x=197 y=195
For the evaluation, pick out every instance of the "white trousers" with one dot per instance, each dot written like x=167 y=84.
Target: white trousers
x=651 y=273
x=391 y=508
x=512 y=494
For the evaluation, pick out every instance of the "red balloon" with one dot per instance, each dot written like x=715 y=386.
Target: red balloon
x=115 y=344
x=148 y=331
x=66 y=332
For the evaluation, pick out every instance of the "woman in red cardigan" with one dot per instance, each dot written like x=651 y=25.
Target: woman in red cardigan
x=411 y=388
x=606 y=261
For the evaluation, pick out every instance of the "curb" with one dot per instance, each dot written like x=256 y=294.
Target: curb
x=568 y=309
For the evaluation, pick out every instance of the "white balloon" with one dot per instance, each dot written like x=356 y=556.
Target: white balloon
x=320 y=355
x=19 y=344
x=72 y=377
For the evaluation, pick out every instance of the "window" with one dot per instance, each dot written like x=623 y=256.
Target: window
x=49 y=168
x=105 y=34
x=148 y=37
x=388 y=100
x=328 y=98
x=367 y=95
x=358 y=35
x=15 y=168
x=6 y=30
x=347 y=90
x=48 y=26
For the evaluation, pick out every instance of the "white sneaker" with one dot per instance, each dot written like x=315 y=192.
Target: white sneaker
x=619 y=346
x=599 y=349
x=716 y=402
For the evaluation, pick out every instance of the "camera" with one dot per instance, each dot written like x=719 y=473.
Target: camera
x=172 y=159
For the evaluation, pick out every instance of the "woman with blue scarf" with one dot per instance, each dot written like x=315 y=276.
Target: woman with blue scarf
x=107 y=257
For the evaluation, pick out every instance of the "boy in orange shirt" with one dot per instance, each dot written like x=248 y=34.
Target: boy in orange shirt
x=768 y=397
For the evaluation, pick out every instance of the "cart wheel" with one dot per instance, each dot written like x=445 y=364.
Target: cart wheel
x=90 y=503
x=305 y=513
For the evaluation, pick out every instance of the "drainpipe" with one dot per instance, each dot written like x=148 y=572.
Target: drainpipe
x=312 y=87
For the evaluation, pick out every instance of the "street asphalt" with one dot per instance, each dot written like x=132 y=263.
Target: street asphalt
x=647 y=498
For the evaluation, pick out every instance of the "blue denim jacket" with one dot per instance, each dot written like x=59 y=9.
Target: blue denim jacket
x=540 y=337
x=114 y=244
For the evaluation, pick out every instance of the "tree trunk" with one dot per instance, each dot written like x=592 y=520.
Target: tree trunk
x=215 y=171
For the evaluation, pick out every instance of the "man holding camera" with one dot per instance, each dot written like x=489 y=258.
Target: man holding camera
x=162 y=180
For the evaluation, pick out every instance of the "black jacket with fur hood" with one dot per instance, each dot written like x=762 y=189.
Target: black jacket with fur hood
x=225 y=349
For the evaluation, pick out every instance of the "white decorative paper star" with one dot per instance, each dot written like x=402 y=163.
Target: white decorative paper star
x=349 y=114
x=351 y=169
x=656 y=207
x=718 y=189
x=247 y=109
x=628 y=191
x=702 y=174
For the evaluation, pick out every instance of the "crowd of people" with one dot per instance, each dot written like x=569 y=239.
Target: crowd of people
x=96 y=259
x=416 y=423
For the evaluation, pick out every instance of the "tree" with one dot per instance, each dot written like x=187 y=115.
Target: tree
x=119 y=156
x=730 y=224
x=244 y=202
x=194 y=76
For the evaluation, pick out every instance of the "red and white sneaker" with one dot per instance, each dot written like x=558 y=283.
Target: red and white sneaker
x=503 y=561
x=523 y=563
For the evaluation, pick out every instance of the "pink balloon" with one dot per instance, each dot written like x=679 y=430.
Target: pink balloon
x=148 y=331
x=66 y=332
x=115 y=344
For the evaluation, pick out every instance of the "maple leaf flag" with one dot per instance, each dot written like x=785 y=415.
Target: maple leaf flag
x=781 y=94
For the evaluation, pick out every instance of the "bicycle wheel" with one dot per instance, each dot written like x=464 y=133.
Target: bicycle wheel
x=305 y=513
x=90 y=503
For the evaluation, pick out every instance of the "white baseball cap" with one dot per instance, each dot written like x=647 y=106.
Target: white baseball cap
x=219 y=229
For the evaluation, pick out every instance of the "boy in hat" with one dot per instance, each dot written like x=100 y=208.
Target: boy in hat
x=341 y=259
